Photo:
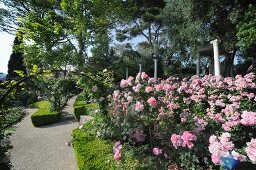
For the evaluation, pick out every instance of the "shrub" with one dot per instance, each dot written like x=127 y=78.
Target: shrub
x=192 y=120
x=91 y=152
x=95 y=153
x=44 y=117
x=78 y=111
x=79 y=107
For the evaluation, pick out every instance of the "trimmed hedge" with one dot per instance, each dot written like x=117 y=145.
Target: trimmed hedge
x=44 y=104
x=44 y=117
x=79 y=107
x=91 y=152
x=96 y=153
x=78 y=111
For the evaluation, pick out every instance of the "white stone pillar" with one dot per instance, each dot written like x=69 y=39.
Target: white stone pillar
x=127 y=73
x=140 y=68
x=155 y=69
x=198 y=66
x=216 y=57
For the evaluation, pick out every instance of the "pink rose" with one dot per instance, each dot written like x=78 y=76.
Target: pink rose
x=137 y=88
x=152 y=102
x=157 y=151
x=248 y=118
x=176 y=140
x=117 y=156
x=187 y=137
x=139 y=106
x=251 y=150
x=144 y=76
x=124 y=83
x=129 y=80
x=148 y=89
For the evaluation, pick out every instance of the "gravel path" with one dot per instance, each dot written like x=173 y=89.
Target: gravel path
x=44 y=148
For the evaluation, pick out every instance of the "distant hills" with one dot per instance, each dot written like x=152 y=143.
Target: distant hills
x=2 y=76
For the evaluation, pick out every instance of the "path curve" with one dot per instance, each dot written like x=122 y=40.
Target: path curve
x=44 y=148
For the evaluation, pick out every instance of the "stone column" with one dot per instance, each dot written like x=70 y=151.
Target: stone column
x=216 y=57
x=126 y=73
x=140 y=68
x=198 y=66
x=155 y=69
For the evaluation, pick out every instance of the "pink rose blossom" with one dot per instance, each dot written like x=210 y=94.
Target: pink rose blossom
x=152 y=102
x=124 y=83
x=148 y=89
x=139 y=106
x=137 y=88
x=144 y=76
x=238 y=156
x=176 y=140
x=117 y=150
x=129 y=80
x=117 y=156
x=187 y=137
x=157 y=151
x=251 y=150
x=248 y=118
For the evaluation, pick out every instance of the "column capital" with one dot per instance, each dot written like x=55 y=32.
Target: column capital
x=214 y=42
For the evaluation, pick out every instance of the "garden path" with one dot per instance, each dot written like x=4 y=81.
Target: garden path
x=44 y=148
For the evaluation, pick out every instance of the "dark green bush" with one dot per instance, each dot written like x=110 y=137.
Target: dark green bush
x=79 y=110
x=44 y=117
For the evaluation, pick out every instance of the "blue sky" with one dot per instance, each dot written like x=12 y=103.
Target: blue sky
x=6 y=41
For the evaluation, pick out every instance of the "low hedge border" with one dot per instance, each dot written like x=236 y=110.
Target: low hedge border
x=79 y=107
x=96 y=153
x=44 y=117
x=91 y=152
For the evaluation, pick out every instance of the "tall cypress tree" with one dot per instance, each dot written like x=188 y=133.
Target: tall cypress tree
x=16 y=58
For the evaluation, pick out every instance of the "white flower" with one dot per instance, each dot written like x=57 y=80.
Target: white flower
x=81 y=126
x=105 y=70
x=94 y=88
x=101 y=99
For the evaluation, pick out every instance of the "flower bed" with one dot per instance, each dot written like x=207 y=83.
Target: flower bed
x=196 y=123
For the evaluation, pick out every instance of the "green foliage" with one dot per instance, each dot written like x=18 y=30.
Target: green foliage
x=79 y=107
x=44 y=104
x=88 y=155
x=8 y=117
x=246 y=31
x=101 y=157
x=44 y=117
x=78 y=111
x=13 y=116
x=16 y=59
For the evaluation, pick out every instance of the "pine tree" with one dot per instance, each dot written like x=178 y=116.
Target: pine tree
x=16 y=58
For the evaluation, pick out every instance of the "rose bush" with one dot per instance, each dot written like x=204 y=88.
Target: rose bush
x=195 y=121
